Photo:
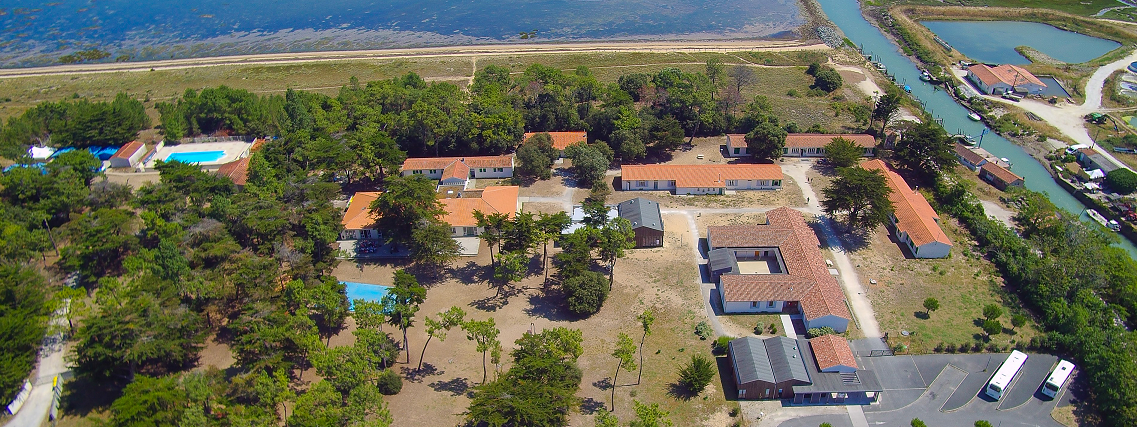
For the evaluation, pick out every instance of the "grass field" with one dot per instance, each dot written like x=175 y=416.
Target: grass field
x=963 y=283
x=780 y=72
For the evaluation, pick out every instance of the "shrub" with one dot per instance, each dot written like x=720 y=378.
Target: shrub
x=586 y=292
x=977 y=347
x=817 y=332
x=721 y=345
x=389 y=383
x=792 y=93
x=759 y=328
x=916 y=422
x=940 y=347
x=704 y=330
x=697 y=374
x=964 y=347
x=982 y=423
x=1122 y=180
x=773 y=329
x=951 y=348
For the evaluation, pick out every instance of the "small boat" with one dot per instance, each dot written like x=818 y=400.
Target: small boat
x=967 y=140
x=974 y=116
x=1097 y=217
x=908 y=88
x=924 y=76
x=879 y=66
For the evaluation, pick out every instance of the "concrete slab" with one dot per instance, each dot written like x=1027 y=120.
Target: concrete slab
x=974 y=383
x=1028 y=381
x=894 y=372
x=857 y=416
x=788 y=326
x=469 y=246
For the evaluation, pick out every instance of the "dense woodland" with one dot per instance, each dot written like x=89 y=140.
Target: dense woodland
x=161 y=268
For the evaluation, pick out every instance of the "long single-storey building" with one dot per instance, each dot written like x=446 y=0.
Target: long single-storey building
x=776 y=267
x=646 y=221
x=969 y=157
x=813 y=144
x=1004 y=78
x=818 y=371
x=913 y=220
x=459 y=211
x=701 y=179
x=128 y=155
x=457 y=171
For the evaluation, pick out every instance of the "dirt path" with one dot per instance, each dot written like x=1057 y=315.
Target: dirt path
x=51 y=363
x=449 y=51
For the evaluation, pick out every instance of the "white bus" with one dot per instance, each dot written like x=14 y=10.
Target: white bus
x=1057 y=378
x=1007 y=371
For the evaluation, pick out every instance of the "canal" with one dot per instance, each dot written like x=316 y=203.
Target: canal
x=846 y=14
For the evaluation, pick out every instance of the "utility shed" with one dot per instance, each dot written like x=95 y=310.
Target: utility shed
x=767 y=369
x=646 y=221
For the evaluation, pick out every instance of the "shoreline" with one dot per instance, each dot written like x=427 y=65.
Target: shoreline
x=725 y=46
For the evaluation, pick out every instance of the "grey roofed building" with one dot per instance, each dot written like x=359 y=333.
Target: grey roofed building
x=641 y=212
x=647 y=223
x=774 y=360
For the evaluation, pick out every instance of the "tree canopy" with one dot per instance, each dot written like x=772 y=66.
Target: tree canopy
x=861 y=195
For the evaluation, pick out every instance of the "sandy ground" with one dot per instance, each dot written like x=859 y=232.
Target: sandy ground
x=483 y=50
x=864 y=81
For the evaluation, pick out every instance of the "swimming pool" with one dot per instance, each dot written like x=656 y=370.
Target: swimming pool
x=196 y=156
x=364 y=291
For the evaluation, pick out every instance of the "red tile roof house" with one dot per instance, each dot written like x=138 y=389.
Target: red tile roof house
x=999 y=176
x=458 y=170
x=913 y=220
x=561 y=140
x=833 y=354
x=459 y=211
x=736 y=145
x=358 y=221
x=1004 y=78
x=813 y=144
x=701 y=179
x=776 y=267
x=129 y=155
x=237 y=171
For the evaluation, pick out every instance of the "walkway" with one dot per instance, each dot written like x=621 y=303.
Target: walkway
x=51 y=363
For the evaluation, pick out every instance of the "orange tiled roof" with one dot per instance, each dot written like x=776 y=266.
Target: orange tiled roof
x=806 y=280
x=561 y=140
x=257 y=144
x=966 y=154
x=914 y=215
x=237 y=171
x=420 y=163
x=456 y=170
x=128 y=150
x=708 y=176
x=809 y=140
x=736 y=140
x=494 y=199
x=1002 y=173
x=832 y=350
x=1012 y=75
x=358 y=215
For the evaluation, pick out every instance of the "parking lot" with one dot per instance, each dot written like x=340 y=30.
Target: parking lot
x=947 y=390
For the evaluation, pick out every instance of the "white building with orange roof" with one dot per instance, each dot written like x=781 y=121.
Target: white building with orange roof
x=457 y=171
x=1004 y=78
x=913 y=220
x=813 y=144
x=776 y=267
x=358 y=221
x=700 y=179
x=561 y=140
x=459 y=211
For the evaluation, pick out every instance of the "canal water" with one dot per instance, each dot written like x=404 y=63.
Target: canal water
x=847 y=15
x=995 y=41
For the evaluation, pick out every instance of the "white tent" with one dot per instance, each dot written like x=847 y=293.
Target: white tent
x=40 y=153
x=1095 y=174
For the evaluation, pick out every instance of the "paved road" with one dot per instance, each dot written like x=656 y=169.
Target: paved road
x=1027 y=382
x=51 y=363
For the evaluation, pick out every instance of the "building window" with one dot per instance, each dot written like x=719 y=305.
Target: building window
x=643 y=184
x=366 y=234
x=785 y=151
x=753 y=304
x=737 y=150
x=777 y=183
x=770 y=304
x=741 y=393
x=433 y=171
x=731 y=182
x=482 y=170
x=499 y=169
x=417 y=172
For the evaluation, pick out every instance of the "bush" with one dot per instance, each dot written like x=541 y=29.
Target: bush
x=982 y=423
x=951 y=348
x=1122 y=180
x=817 y=332
x=977 y=347
x=773 y=329
x=721 y=345
x=916 y=422
x=389 y=383
x=704 y=330
x=759 y=328
x=940 y=347
x=792 y=93
x=585 y=293
x=697 y=374
x=964 y=347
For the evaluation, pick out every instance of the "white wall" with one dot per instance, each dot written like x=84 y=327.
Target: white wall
x=837 y=323
x=437 y=173
x=490 y=173
x=698 y=190
x=455 y=181
x=648 y=185
x=841 y=368
x=933 y=250
x=465 y=231
x=742 y=151
x=755 y=184
x=358 y=234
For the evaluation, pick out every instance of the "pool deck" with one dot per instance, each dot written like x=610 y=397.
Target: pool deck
x=234 y=150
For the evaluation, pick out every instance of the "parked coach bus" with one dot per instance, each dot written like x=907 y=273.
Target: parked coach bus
x=1057 y=378
x=1007 y=371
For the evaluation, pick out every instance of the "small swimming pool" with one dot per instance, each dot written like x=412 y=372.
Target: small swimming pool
x=364 y=291
x=196 y=156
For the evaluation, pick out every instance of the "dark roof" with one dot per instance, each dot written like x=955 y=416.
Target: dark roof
x=641 y=212
x=751 y=363
x=722 y=260
x=786 y=359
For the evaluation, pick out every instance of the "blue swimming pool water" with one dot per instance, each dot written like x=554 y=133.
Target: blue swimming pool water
x=196 y=156
x=364 y=291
